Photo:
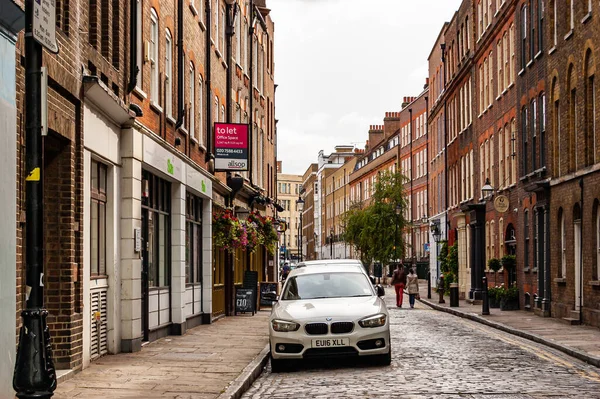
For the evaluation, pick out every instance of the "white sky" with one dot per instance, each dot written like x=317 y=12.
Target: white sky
x=341 y=64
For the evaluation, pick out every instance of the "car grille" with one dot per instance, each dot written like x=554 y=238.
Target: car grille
x=342 y=327
x=333 y=352
x=316 y=328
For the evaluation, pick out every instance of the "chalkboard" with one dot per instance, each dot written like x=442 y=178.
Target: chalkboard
x=268 y=293
x=244 y=300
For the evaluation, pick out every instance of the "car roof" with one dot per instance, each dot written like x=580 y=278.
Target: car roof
x=339 y=268
x=330 y=262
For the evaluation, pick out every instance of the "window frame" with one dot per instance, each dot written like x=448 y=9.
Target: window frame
x=98 y=201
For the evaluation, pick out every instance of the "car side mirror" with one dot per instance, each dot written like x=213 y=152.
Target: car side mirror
x=372 y=278
x=380 y=291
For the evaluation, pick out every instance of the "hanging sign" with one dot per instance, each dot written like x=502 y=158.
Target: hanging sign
x=44 y=24
x=231 y=147
x=501 y=203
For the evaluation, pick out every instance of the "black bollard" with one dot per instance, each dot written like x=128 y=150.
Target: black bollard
x=429 y=285
x=454 y=295
x=441 y=289
x=485 y=304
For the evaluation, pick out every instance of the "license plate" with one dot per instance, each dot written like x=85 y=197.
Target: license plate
x=330 y=342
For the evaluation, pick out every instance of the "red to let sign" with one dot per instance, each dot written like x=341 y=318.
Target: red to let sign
x=231 y=147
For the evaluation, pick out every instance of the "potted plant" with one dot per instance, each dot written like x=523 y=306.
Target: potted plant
x=509 y=298
x=494 y=294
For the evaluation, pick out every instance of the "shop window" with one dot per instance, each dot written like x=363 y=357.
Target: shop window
x=193 y=240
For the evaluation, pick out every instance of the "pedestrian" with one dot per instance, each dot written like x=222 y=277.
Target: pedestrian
x=412 y=286
x=399 y=281
x=285 y=271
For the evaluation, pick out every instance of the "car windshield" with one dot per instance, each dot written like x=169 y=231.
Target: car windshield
x=327 y=285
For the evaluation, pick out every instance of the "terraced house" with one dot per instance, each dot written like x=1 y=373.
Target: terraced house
x=130 y=183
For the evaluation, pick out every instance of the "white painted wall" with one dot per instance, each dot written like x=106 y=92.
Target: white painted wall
x=101 y=142
x=8 y=211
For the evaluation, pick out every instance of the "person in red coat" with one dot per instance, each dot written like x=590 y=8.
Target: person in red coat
x=399 y=281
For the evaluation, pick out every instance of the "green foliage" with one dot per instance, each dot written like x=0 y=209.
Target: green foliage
x=501 y=292
x=449 y=264
x=494 y=264
x=509 y=262
x=373 y=228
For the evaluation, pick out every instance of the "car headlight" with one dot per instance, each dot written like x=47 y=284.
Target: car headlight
x=377 y=320
x=284 y=326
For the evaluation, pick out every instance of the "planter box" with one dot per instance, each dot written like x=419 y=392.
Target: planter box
x=494 y=303
x=509 y=304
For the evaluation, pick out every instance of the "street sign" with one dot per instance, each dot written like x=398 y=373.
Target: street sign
x=44 y=24
x=231 y=147
x=426 y=247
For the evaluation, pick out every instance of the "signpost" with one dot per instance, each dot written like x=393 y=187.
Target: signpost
x=231 y=147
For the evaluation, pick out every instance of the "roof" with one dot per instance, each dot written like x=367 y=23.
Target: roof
x=339 y=268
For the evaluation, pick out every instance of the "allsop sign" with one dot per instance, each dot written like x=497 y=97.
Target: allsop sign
x=231 y=147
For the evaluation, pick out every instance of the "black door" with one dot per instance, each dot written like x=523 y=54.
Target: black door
x=146 y=259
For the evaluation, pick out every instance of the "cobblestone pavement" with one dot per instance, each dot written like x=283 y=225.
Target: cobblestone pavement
x=437 y=355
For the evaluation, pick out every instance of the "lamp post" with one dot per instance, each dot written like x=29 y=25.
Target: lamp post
x=331 y=243
x=398 y=212
x=300 y=208
x=435 y=231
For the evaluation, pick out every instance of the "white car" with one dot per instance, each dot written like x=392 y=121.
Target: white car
x=329 y=311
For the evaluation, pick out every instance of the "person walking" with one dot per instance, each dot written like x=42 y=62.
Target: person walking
x=399 y=281
x=412 y=286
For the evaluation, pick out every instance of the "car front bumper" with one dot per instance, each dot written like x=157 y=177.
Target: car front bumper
x=298 y=344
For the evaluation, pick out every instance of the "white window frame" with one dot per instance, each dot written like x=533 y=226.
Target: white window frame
x=168 y=73
x=153 y=56
x=201 y=108
x=139 y=43
x=192 y=97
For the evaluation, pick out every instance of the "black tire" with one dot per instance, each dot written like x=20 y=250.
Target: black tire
x=278 y=365
x=383 y=360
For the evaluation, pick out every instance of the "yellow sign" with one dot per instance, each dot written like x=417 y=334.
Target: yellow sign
x=501 y=203
x=34 y=175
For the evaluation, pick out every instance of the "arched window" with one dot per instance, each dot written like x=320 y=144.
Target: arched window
x=556 y=134
x=590 y=145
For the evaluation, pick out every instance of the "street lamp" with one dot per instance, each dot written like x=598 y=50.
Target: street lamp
x=300 y=208
x=331 y=243
x=437 y=235
x=487 y=191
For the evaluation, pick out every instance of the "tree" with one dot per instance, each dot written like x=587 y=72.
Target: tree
x=371 y=227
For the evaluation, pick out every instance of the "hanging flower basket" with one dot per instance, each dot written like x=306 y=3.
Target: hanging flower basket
x=230 y=233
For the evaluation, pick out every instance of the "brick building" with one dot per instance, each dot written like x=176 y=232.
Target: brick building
x=288 y=192
x=130 y=186
x=310 y=197
x=340 y=202
x=572 y=37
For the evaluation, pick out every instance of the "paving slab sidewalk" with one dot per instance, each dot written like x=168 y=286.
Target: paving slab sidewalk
x=219 y=360
x=582 y=342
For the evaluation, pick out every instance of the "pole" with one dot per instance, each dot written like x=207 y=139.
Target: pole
x=331 y=245
x=34 y=375
x=301 y=248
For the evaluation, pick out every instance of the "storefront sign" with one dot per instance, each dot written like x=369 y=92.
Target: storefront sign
x=231 y=147
x=501 y=203
x=44 y=24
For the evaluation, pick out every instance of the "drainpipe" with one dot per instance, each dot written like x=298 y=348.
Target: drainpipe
x=209 y=155
x=133 y=67
x=580 y=282
x=443 y=47
x=180 y=66
x=412 y=194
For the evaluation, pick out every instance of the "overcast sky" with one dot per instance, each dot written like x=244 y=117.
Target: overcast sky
x=341 y=64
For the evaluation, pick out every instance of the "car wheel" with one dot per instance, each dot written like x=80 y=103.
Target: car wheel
x=383 y=360
x=278 y=365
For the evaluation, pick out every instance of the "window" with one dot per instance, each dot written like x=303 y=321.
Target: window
x=193 y=240
x=169 y=74
x=525 y=139
x=154 y=56
x=200 y=114
x=597 y=243
x=138 y=42
x=532 y=37
x=541 y=12
x=523 y=36
x=491 y=77
x=238 y=39
x=98 y=219
x=555 y=22
x=507 y=157
x=572 y=84
x=543 y=144
x=590 y=110
x=501 y=180
x=570 y=16
x=526 y=233
x=556 y=122
x=506 y=60
x=563 y=244
x=513 y=151
x=192 y=106
x=500 y=63
x=215 y=35
x=534 y=117
x=512 y=53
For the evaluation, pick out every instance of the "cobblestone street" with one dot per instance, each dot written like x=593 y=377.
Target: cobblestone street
x=437 y=355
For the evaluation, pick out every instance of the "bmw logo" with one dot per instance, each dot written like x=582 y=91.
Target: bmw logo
x=329 y=318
